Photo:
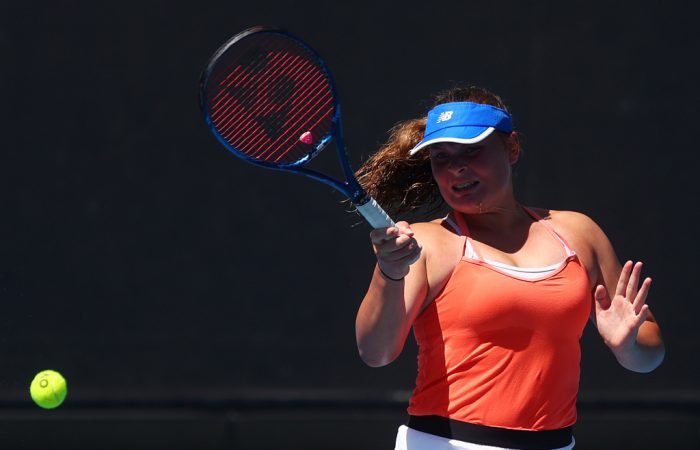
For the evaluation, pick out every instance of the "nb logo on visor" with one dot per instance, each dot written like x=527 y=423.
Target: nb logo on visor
x=444 y=116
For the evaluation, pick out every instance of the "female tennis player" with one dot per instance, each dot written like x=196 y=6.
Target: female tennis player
x=497 y=293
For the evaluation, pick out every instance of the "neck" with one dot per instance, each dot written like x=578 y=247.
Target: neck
x=503 y=217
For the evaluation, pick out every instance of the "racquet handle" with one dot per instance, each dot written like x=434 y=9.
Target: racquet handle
x=374 y=214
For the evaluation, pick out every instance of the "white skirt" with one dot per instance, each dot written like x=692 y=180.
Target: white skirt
x=410 y=439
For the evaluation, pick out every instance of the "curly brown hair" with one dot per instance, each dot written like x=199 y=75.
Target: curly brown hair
x=402 y=183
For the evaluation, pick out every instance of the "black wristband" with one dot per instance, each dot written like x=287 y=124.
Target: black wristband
x=387 y=276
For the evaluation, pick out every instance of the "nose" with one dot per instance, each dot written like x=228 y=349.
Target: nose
x=458 y=165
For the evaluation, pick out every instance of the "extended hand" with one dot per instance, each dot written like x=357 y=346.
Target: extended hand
x=618 y=319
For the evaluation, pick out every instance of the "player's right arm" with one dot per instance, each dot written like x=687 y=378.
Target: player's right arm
x=391 y=305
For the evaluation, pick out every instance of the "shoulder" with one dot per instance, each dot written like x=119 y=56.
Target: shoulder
x=572 y=223
x=437 y=232
x=585 y=237
x=582 y=233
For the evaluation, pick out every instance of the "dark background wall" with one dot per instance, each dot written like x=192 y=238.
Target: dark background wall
x=159 y=273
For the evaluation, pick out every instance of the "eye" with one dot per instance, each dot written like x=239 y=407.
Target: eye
x=438 y=153
x=471 y=151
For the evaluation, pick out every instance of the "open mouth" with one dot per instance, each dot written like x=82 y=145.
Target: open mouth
x=464 y=186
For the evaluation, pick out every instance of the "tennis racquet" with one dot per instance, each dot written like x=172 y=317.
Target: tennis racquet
x=270 y=99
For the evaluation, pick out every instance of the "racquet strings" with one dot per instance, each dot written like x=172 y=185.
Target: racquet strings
x=270 y=98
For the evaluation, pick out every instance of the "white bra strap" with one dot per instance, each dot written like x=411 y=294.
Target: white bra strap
x=469 y=250
x=551 y=229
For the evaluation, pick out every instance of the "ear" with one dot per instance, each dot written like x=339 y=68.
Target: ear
x=514 y=149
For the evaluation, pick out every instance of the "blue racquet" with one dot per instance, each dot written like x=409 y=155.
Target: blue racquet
x=270 y=100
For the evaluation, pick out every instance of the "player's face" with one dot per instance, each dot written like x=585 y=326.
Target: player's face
x=473 y=178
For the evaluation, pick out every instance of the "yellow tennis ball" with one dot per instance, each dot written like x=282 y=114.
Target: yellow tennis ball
x=48 y=389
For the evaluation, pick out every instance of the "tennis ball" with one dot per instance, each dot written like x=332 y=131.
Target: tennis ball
x=48 y=389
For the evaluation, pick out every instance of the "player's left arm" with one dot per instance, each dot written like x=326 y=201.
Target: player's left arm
x=620 y=311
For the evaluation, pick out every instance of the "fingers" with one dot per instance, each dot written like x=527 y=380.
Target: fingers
x=628 y=283
x=395 y=248
x=397 y=240
x=633 y=281
x=623 y=281
x=641 y=317
x=643 y=314
x=384 y=235
x=641 y=298
x=400 y=249
x=601 y=297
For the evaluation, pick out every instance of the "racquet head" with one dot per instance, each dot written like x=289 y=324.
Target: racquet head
x=269 y=98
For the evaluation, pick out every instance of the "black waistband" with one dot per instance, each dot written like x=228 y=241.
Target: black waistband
x=497 y=437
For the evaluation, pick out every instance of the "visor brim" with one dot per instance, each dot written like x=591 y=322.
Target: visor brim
x=460 y=135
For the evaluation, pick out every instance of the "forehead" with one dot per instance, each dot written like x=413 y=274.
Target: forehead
x=450 y=146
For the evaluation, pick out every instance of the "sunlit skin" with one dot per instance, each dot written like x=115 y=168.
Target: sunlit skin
x=476 y=180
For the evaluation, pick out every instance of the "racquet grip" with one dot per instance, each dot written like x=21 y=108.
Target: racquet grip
x=374 y=214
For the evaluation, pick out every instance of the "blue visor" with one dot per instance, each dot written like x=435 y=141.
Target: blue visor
x=464 y=123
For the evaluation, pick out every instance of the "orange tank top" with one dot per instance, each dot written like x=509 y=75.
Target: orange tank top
x=502 y=351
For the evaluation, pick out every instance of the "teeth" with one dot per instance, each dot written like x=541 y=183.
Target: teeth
x=464 y=185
